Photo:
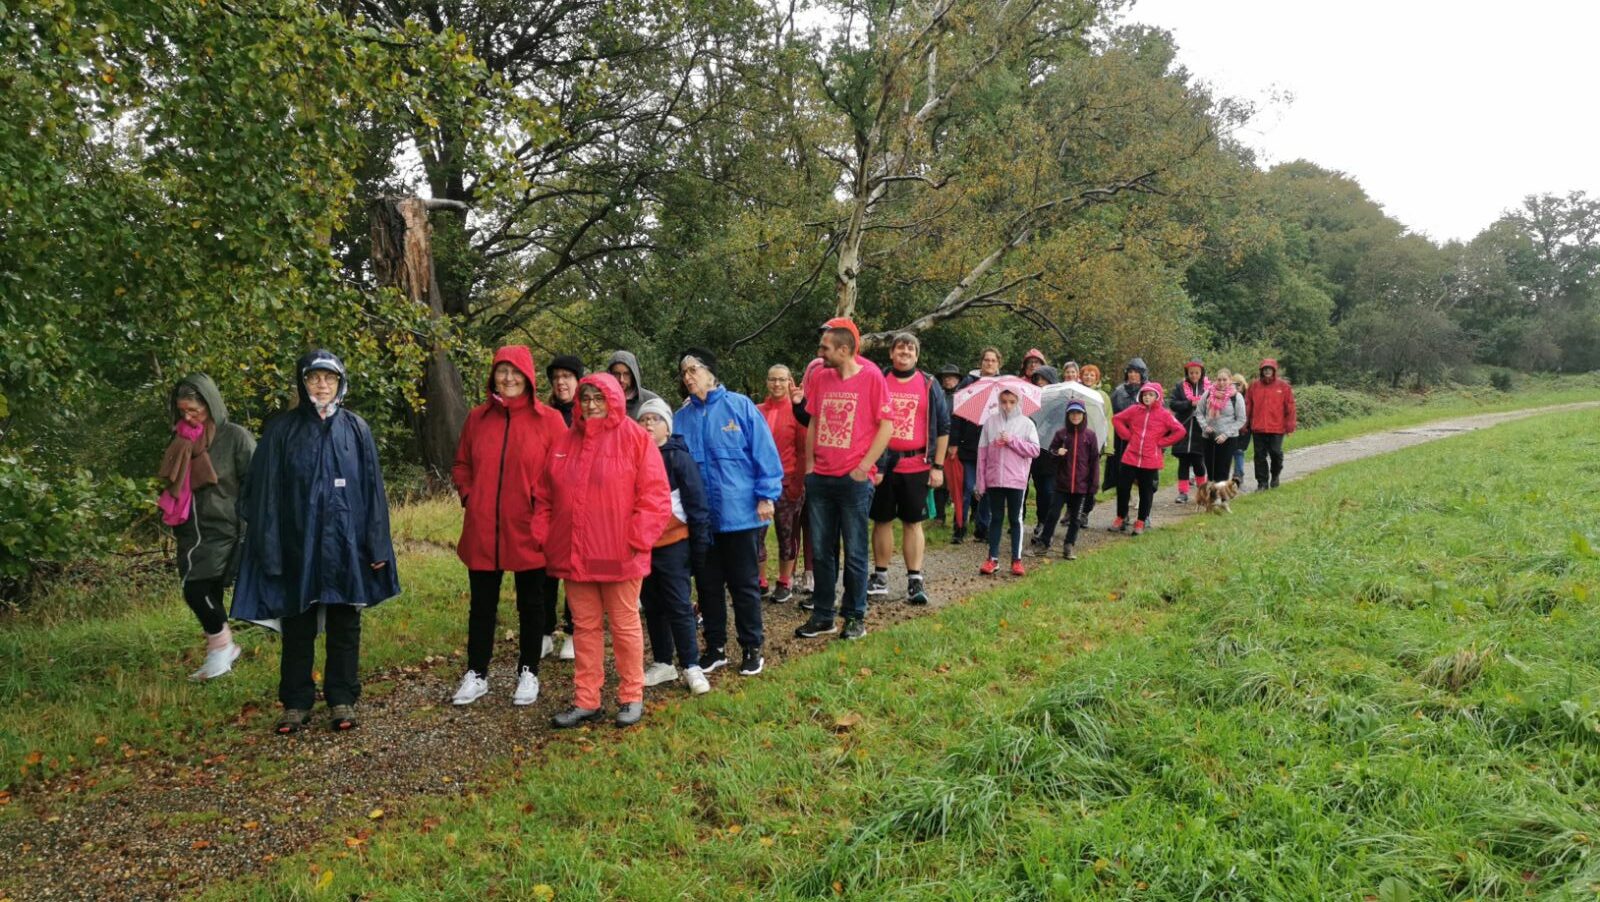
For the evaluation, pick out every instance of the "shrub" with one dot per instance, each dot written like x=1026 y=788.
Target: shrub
x=1319 y=405
x=1501 y=380
x=48 y=520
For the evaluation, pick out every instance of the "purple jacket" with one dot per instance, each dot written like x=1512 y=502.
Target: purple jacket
x=1077 y=471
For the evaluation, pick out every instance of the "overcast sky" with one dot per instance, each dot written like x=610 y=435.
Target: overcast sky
x=1447 y=112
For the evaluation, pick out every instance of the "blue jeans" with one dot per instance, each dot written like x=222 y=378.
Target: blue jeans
x=839 y=506
x=975 y=512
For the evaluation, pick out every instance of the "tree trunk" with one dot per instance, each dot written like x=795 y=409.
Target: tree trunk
x=402 y=257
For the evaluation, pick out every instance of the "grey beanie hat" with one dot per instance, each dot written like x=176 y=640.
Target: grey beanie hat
x=657 y=407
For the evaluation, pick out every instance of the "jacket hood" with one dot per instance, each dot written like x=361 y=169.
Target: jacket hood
x=520 y=357
x=1266 y=362
x=675 y=442
x=1047 y=373
x=1161 y=394
x=627 y=359
x=320 y=359
x=1137 y=364
x=208 y=392
x=616 y=406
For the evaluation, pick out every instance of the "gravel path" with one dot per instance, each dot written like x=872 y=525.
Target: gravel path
x=178 y=826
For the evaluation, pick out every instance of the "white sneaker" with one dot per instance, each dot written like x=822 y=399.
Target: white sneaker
x=568 y=650
x=217 y=663
x=527 y=687
x=658 y=673
x=473 y=687
x=696 y=678
x=808 y=584
x=547 y=646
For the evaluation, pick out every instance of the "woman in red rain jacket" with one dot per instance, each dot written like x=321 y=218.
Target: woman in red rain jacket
x=602 y=504
x=1149 y=428
x=503 y=449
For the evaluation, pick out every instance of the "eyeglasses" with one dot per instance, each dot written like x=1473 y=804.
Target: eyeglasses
x=592 y=402
x=321 y=376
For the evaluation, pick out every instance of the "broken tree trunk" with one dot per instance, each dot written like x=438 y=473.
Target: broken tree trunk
x=402 y=257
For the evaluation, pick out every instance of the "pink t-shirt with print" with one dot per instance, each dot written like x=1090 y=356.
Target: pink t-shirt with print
x=909 y=400
x=845 y=414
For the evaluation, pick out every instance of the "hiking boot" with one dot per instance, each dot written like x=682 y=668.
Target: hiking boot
x=292 y=720
x=217 y=663
x=527 y=689
x=782 y=595
x=1274 y=483
x=696 y=679
x=1118 y=525
x=989 y=567
x=854 y=628
x=473 y=687
x=1083 y=520
x=958 y=537
x=1039 y=548
x=712 y=658
x=1260 y=486
x=1069 y=553
x=878 y=583
x=815 y=627
x=1017 y=569
x=1183 y=498
x=342 y=718
x=576 y=716
x=752 y=663
x=629 y=713
x=916 y=591
x=569 y=649
x=1138 y=527
x=658 y=673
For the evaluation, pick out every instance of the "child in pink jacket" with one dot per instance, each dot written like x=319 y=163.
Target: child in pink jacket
x=1149 y=428
x=1006 y=449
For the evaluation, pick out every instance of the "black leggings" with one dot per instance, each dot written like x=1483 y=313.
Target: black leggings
x=552 y=587
x=1191 y=464
x=1067 y=506
x=1219 y=458
x=485 y=586
x=204 y=597
x=1146 y=478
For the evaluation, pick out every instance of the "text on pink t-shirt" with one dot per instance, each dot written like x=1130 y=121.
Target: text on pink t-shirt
x=845 y=414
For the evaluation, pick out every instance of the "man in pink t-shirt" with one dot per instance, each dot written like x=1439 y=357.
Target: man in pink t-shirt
x=850 y=422
x=917 y=446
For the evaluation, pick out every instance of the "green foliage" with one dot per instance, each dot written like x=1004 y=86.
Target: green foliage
x=46 y=522
x=1319 y=405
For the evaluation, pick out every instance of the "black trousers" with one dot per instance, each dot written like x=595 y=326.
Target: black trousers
x=204 y=597
x=341 y=682
x=1146 y=479
x=1219 y=458
x=1065 y=507
x=731 y=570
x=1268 y=447
x=1192 y=464
x=485 y=610
x=549 y=591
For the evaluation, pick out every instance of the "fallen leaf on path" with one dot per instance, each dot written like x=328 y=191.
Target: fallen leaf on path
x=544 y=892
x=34 y=757
x=199 y=844
x=325 y=880
x=375 y=813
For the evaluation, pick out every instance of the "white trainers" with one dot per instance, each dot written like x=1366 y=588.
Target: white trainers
x=527 y=687
x=658 y=673
x=217 y=663
x=696 y=678
x=568 y=650
x=547 y=646
x=473 y=687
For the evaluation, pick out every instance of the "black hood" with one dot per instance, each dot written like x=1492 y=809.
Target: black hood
x=1138 y=365
x=319 y=360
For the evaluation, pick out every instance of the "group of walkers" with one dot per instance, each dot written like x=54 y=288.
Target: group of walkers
x=654 y=519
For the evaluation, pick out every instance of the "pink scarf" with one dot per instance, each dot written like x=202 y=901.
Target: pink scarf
x=1221 y=396
x=177 y=499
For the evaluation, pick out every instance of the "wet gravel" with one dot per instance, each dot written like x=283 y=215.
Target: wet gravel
x=177 y=826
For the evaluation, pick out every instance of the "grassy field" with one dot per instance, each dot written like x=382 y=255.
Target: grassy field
x=94 y=672
x=1380 y=682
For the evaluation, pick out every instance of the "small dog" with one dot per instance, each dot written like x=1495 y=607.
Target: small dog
x=1213 y=497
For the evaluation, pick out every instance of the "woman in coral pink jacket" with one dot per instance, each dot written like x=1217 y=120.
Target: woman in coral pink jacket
x=1006 y=448
x=1148 y=428
x=599 y=509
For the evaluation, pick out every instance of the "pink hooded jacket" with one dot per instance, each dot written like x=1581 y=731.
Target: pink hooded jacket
x=1149 y=431
x=1006 y=466
x=604 y=499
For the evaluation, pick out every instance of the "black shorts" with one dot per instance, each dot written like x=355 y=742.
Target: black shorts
x=901 y=496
